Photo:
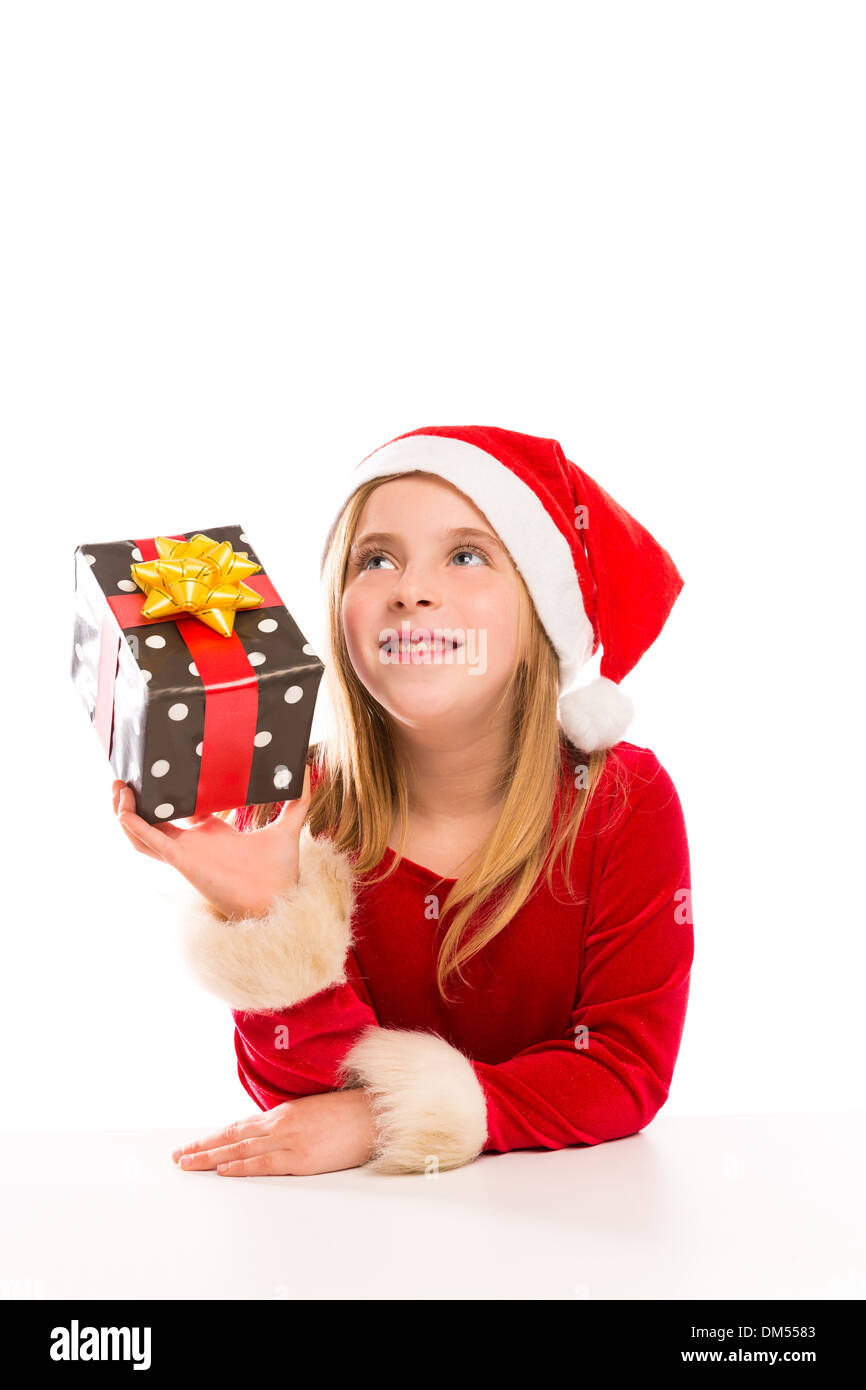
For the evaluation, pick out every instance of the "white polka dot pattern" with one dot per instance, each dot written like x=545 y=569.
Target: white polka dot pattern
x=159 y=714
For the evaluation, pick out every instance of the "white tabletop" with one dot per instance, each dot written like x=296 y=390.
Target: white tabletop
x=767 y=1206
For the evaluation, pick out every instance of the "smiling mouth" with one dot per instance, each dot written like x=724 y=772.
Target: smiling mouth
x=434 y=644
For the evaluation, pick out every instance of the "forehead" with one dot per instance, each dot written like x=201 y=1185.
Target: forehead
x=419 y=497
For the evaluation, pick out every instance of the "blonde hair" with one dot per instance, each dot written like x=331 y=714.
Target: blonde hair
x=363 y=782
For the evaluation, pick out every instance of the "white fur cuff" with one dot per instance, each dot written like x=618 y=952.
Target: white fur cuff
x=264 y=964
x=429 y=1106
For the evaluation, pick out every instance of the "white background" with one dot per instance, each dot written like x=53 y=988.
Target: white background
x=245 y=244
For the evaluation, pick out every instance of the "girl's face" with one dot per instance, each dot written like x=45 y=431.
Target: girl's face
x=426 y=564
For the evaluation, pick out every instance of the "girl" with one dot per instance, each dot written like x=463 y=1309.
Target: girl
x=471 y=932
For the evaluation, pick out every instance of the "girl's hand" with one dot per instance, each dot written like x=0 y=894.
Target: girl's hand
x=314 y=1134
x=239 y=873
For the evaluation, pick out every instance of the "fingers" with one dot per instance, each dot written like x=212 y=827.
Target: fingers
x=241 y=1129
x=297 y=809
x=266 y=1163
x=140 y=827
x=160 y=839
x=156 y=841
x=137 y=844
x=127 y=818
x=258 y=1155
x=124 y=798
x=256 y=1158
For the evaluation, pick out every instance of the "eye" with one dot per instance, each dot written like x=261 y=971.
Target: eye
x=363 y=556
x=371 y=553
x=471 y=550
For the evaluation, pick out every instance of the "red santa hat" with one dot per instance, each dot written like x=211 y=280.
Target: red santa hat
x=596 y=576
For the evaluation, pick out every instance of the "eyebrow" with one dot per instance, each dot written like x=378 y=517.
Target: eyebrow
x=382 y=537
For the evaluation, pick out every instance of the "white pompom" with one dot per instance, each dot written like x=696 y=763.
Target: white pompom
x=595 y=715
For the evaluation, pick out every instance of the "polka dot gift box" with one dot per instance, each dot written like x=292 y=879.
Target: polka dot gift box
x=198 y=681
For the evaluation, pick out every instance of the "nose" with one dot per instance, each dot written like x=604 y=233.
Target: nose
x=412 y=590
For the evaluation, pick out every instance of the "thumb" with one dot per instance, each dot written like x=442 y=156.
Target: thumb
x=296 y=811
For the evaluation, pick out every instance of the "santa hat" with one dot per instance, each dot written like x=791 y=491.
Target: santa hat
x=596 y=576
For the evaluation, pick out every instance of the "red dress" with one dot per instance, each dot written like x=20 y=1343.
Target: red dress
x=571 y=1017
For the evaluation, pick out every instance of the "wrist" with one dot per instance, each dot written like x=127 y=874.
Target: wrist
x=362 y=1101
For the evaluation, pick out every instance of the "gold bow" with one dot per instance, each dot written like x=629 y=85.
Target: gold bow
x=201 y=577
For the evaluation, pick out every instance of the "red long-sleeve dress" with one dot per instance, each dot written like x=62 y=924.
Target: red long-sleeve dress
x=571 y=1018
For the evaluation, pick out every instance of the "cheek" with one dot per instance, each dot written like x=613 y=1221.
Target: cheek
x=502 y=650
x=493 y=614
x=355 y=622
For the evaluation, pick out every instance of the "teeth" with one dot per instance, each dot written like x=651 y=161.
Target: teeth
x=438 y=645
x=425 y=646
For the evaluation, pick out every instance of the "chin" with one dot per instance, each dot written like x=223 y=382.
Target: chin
x=419 y=707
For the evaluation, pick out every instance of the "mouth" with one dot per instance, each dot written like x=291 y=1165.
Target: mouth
x=434 y=642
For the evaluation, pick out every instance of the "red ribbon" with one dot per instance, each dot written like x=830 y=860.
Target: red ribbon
x=231 y=689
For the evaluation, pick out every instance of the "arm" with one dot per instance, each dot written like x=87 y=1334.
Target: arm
x=610 y=1071
x=290 y=976
x=300 y=1005
x=431 y=1101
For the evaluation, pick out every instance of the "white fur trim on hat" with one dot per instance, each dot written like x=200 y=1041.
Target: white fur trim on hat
x=264 y=964
x=429 y=1106
x=537 y=546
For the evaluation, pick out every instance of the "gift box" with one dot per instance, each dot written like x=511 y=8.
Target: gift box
x=198 y=681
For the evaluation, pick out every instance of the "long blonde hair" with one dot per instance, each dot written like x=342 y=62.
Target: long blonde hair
x=363 y=782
